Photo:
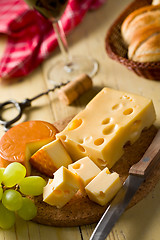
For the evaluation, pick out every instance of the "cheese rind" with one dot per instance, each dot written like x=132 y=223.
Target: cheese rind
x=111 y=119
x=22 y=140
x=86 y=169
x=61 y=189
x=51 y=157
x=103 y=187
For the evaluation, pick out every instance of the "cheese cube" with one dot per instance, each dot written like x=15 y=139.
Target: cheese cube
x=86 y=169
x=51 y=157
x=103 y=187
x=111 y=119
x=61 y=189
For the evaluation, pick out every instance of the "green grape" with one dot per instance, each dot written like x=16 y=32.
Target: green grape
x=28 y=210
x=12 y=200
x=7 y=218
x=32 y=185
x=13 y=174
x=1 y=174
x=1 y=192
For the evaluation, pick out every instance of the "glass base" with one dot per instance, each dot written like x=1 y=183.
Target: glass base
x=59 y=72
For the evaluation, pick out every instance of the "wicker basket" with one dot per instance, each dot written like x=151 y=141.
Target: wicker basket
x=117 y=50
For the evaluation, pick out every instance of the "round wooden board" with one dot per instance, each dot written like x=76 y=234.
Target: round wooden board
x=80 y=210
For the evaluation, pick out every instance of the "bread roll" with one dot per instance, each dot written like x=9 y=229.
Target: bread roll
x=140 y=18
x=145 y=45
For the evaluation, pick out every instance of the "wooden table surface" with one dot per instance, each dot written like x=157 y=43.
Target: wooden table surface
x=141 y=222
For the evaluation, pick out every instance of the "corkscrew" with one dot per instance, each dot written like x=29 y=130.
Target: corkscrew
x=70 y=91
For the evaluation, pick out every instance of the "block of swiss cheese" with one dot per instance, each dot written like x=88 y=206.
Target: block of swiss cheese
x=110 y=120
x=21 y=141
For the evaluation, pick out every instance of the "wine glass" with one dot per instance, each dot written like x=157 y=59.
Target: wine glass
x=69 y=66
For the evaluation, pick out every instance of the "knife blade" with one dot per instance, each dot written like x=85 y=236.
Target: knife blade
x=137 y=174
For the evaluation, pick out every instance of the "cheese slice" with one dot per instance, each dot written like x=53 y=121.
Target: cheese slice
x=22 y=140
x=61 y=189
x=103 y=187
x=50 y=157
x=109 y=121
x=86 y=169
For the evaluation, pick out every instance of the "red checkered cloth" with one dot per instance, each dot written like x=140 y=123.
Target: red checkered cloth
x=31 y=37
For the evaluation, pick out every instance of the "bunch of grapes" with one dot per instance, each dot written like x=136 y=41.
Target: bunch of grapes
x=14 y=187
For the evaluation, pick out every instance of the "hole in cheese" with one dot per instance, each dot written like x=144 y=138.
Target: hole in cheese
x=58 y=192
x=126 y=97
x=50 y=181
x=106 y=121
x=117 y=106
x=99 y=141
x=107 y=171
x=136 y=125
x=63 y=137
x=101 y=194
x=76 y=166
x=101 y=162
x=109 y=129
x=74 y=124
x=82 y=149
x=128 y=111
x=88 y=139
x=80 y=140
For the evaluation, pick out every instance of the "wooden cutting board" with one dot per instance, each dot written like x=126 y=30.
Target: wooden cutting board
x=80 y=210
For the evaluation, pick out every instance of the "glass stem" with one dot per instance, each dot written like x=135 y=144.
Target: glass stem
x=62 y=41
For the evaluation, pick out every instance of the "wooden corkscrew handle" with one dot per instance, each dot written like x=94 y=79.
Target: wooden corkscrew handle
x=149 y=159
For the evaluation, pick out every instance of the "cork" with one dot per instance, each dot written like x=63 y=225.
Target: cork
x=74 y=89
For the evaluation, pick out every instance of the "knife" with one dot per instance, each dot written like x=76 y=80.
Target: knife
x=137 y=174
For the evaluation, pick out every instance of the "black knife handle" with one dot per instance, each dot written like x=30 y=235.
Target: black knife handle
x=149 y=159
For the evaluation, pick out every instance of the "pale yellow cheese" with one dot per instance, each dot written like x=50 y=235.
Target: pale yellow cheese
x=111 y=119
x=86 y=169
x=51 y=157
x=103 y=187
x=61 y=189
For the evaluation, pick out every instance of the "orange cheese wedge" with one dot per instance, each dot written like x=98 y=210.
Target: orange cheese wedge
x=23 y=140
